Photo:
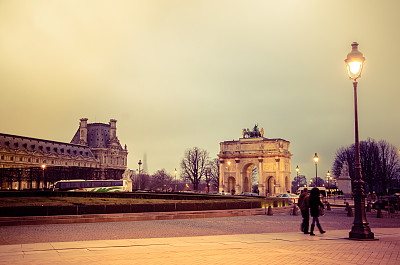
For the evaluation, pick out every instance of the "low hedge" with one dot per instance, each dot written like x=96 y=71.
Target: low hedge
x=124 y=208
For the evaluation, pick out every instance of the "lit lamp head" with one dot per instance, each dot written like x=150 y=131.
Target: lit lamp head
x=297 y=169
x=43 y=166
x=354 y=62
x=328 y=174
x=316 y=158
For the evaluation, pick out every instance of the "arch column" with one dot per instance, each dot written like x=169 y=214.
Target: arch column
x=277 y=186
x=221 y=176
x=239 y=179
x=260 y=177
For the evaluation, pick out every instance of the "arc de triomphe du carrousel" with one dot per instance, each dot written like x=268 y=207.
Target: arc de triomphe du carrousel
x=237 y=159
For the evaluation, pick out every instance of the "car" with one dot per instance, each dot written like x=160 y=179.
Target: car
x=391 y=200
x=251 y=194
x=292 y=197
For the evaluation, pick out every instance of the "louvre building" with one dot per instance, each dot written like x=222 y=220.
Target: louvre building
x=93 y=153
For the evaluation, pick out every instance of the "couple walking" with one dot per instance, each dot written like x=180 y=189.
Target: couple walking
x=307 y=204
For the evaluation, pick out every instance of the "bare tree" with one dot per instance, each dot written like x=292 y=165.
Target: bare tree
x=161 y=180
x=298 y=182
x=140 y=181
x=389 y=165
x=194 y=165
x=214 y=174
x=380 y=164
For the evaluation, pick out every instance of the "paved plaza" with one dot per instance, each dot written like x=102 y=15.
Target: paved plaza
x=252 y=239
x=265 y=248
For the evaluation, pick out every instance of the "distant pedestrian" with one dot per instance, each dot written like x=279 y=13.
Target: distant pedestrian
x=315 y=203
x=304 y=205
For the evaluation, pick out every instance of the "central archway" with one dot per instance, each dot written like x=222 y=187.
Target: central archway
x=249 y=174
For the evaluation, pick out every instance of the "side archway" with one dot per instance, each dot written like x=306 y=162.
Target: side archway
x=287 y=183
x=269 y=185
x=247 y=175
x=231 y=185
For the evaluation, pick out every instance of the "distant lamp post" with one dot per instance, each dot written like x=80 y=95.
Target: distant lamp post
x=139 y=176
x=316 y=169
x=43 y=167
x=297 y=178
x=328 y=176
x=360 y=230
x=175 y=178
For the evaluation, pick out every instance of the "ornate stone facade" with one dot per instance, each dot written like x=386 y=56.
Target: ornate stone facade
x=95 y=149
x=103 y=142
x=271 y=156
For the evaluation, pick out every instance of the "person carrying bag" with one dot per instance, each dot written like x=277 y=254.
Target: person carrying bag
x=304 y=206
x=315 y=206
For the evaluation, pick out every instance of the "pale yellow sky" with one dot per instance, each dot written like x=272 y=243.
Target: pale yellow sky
x=178 y=74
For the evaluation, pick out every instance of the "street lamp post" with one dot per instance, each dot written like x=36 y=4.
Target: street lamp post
x=328 y=175
x=360 y=229
x=43 y=167
x=297 y=178
x=175 y=179
x=139 y=176
x=316 y=169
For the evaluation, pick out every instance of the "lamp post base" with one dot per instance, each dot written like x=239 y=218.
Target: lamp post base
x=361 y=232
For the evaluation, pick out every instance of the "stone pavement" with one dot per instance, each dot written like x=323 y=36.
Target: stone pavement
x=266 y=248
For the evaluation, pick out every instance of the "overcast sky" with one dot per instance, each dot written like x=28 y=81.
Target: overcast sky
x=178 y=74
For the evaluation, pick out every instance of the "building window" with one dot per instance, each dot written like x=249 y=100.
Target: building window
x=20 y=159
x=12 y=158
x=2 y=157
x=29 y=160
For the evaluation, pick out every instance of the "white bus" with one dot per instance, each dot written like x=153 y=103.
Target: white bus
x=92 y=185
x=322 y=191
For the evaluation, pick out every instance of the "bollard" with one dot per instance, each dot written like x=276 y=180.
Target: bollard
x=379 y=213
x=328 y=206
x=347 y=207
x=295 y=210
x=368 y=208
x=269 y=210
x=350 y=212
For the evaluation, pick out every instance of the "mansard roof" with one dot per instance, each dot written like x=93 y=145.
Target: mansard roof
x=45 y=146
x=98 y=135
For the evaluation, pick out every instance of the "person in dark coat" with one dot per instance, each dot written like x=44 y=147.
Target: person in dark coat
x=304 y=205
x=315 y=203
